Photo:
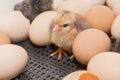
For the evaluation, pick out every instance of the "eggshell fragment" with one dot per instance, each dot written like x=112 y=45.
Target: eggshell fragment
x=39 y=31
x=4 y=39
x=13 y=60
x=100 y=17
x=88 y=43
x=79 y=6
x=81 y=75
x=105 y=65
x=15 y=25
x=114 y=5
x=74 y=75
x=115 y=29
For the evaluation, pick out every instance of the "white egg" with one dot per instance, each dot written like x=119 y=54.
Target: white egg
x=79 y=6
x=110 y=3
x=13 y=60
x=105 y=65
x=115 y=29
x=7 y=6
x=39 y=30
x=115 y=5
x=15 y=25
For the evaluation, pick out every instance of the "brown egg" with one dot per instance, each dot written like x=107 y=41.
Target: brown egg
x=4 y=39
x=100 y=17
x=89 y=43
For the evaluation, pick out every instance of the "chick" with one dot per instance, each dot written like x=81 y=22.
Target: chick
x=31 y=8
x=64 y=29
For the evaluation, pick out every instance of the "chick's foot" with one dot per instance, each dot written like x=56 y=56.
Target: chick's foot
x=59 y=52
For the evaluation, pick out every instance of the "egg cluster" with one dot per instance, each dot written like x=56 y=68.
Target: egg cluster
x=92 y=47
x=14 y=27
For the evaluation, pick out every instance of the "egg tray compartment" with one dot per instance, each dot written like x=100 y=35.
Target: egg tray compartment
x=43 y=67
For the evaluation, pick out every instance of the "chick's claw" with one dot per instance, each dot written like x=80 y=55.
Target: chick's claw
x=72 y=57
x=59 y=52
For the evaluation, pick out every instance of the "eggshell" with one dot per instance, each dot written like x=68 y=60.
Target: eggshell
x=105 y=65
x=7 y=6
x=15 y=25
x=115 y=5
x=79 y=6
x=88 y=43
x=13 y=60
x=100 y=17
x=76 y=75
x=4 y=39
x=115 y=29
x=39 y=30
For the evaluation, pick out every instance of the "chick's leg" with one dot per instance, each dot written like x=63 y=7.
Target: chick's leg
x=60 y=52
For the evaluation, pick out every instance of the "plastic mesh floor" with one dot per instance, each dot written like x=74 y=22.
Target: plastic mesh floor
x=43 y=67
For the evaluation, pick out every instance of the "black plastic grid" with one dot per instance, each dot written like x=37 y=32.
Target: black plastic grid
x=43 y=67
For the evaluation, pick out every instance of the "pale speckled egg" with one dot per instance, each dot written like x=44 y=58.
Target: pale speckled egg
x=4 y=39
x=115 y=29
x=100 y=17
x=13 y=60
x=39 y=31
x=81 y=75
x=79 y=6
x=88 y=43
x=105 y=65
x=15 y=25
x=114 y=5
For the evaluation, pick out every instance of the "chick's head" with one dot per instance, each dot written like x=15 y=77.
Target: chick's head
x=64 y=22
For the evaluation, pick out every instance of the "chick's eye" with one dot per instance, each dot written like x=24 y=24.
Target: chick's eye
x=65 y=25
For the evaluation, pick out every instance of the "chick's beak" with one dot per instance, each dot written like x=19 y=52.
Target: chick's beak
x=56 y=28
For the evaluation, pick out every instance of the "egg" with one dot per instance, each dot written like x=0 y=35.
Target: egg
x=39 y=31
x=114 y=5
x=110 y=3
x=115 y=29
x=105 y=65
x=79 y=6
x=88 y=43
x=4 y=39
x=100 y=17
x=15 y=25
x=81 y=75
x=13 y=60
